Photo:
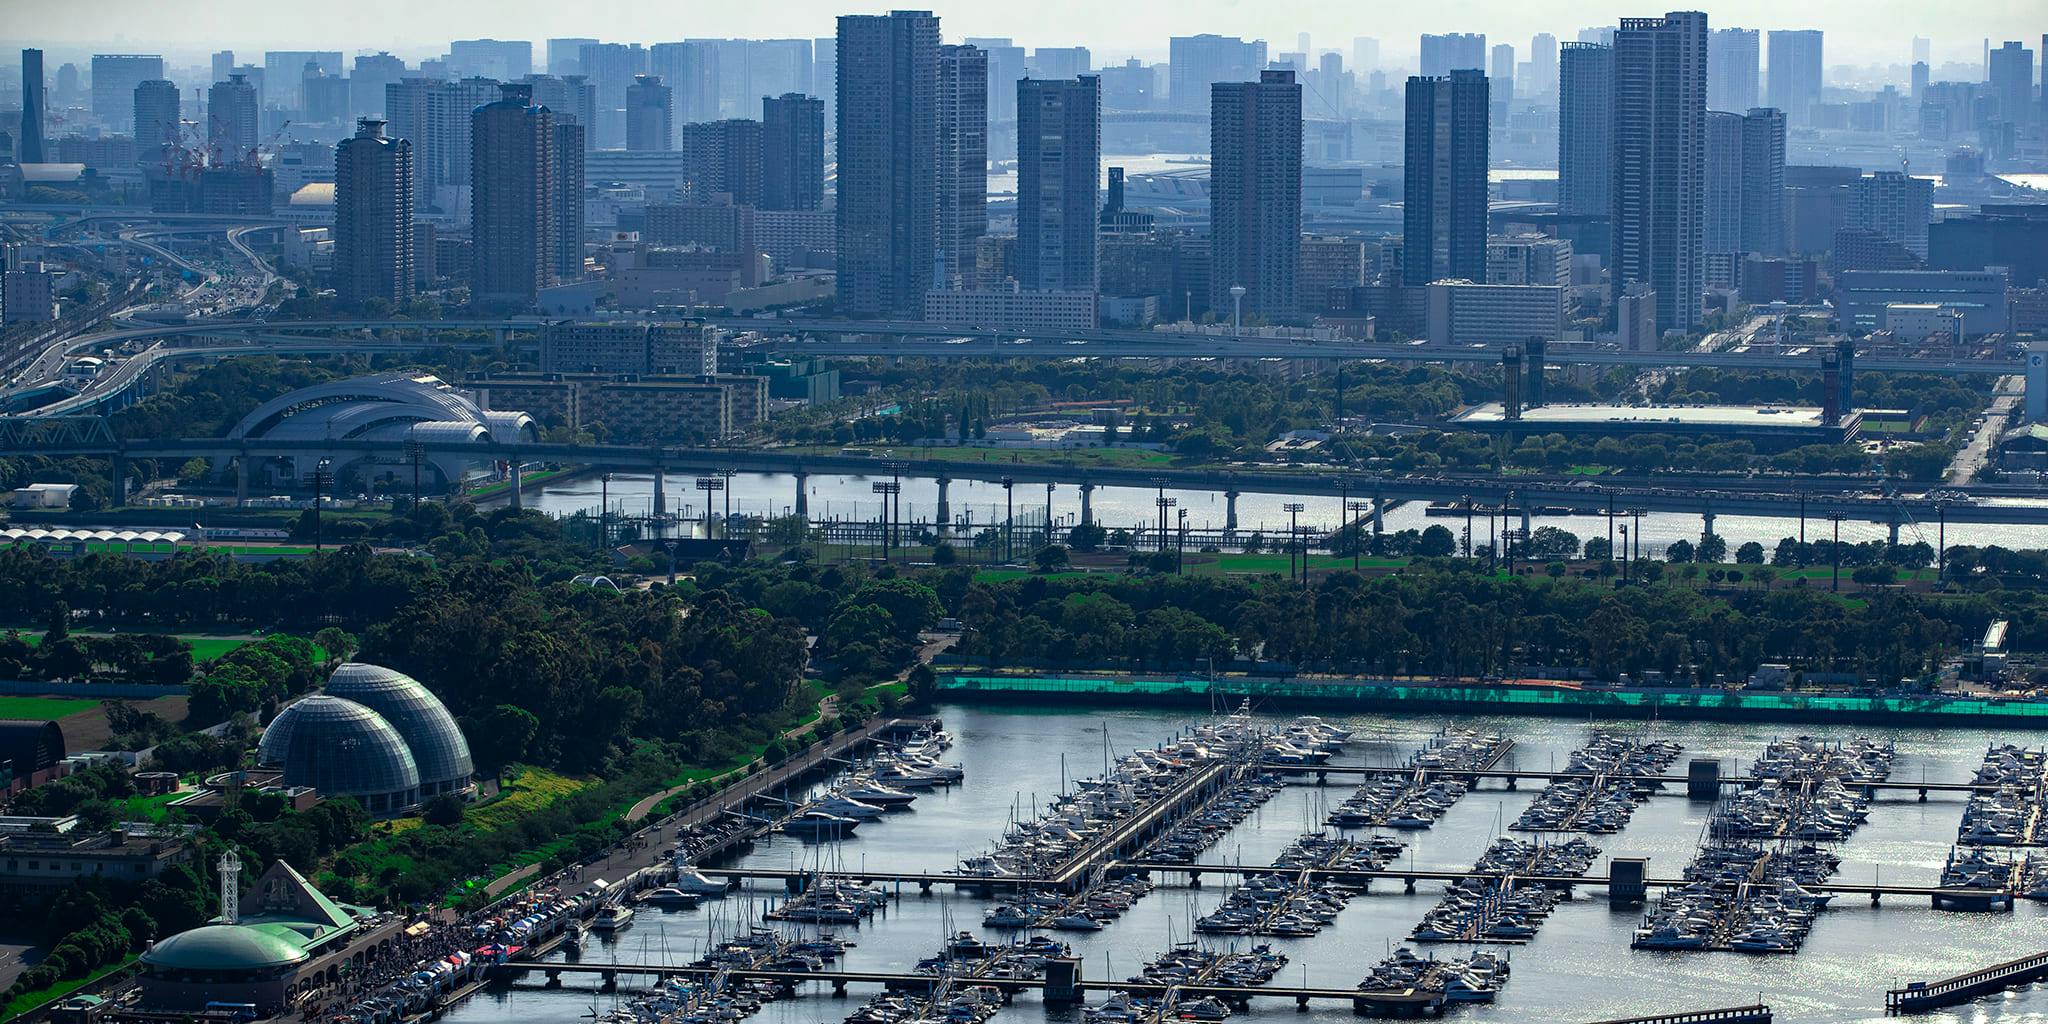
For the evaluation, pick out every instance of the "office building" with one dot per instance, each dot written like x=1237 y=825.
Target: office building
x=887 y=80
x=231 y=119
x=502 y=59
x=156 y=119
x=114 y=78
x=284 y=69
x=1585 y=129
x=1542 y=65
x=28 y=144
x=373 y=204
x=1745 y=182
x=1529 y=259
x=451 y=123
x=629 y=346
x=1194 y=63
x=1895 y=206
x=1059 y=163
x=792 y=152
x=961 y=145
x=367 y=82
x=325 y=97
x=1443 y=219
x=513 y=225
x=1732 y=69
x=1059 y=62
x=2011 y=74
x=565 y=55
x=723 y=156
x=1794 y=73
x=610 y=68
x=1330 y=268
x=28 y=294
x=1255 y=194
x=1012 y=309
x=825 y=75
x=650 y=114
x=1660 y=108
x=2013 y=236
x=1007 y=63
x=1455 y=51
x=1979 y=297
x=570 y=99
x=1501 y=84
x=1464 y=313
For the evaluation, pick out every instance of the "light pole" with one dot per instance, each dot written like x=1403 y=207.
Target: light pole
x=415 y=453
x=1164 y=503
x=1048 y=513
x=1237 y=309
x=604 y=509
x=1357 y=509
x=888 y=489
x=1941 y=541
x=323 y=478
x=1637 y=512
x=1009 y=521
x=709 y=485
x=1294 y=510
x=1835 y=582
x=1624 y=553
x=1180 y=546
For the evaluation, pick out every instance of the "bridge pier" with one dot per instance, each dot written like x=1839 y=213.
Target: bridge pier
x=119 y=491
x=1894 y=529
x=1230 y=511
x=660 y=492
x=241 y=481
x=1379 y=515
x=1063 y=981
x=518 y=500
x=1087 y=504
x=945 y=513
x=1706 y=524
x=803 y=502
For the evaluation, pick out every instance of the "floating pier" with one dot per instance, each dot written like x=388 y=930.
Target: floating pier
x=1921 y=996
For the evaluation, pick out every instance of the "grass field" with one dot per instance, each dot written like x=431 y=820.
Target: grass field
x=43 y=708
x=24 y=1003
x=147 y=808
x=205 y=647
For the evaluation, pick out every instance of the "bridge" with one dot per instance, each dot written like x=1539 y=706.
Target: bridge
x=1922 y=996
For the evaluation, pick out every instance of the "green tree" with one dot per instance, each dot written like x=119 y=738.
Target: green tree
x=1050 y=558
x=1437 y=542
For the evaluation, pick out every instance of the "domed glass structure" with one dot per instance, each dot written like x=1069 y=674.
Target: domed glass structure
x=438 y=747
x=222 y=949
x=342 y=748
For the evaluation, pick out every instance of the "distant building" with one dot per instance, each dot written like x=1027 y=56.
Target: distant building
x=1585 y=129
x=114 y=78
x=1636 y=319
x=373 y=205
x=288 y=937
x=1464 y=313
x=1979 y=296
x=887 y=74
x=1745 y=182
x=1059 y=166
x=650 y=114
x=1196 y=62
x=1330 y=268
x=157 y=127
x=1895 y=205
x=28 y=144
x=1012 y=309
x=231 y=119
x=2011 y=236
x=1529 y=259
x=1453 y=51
x=961 y=106
x=629 y=346
x=1732 y=69
x=723 y=156
x=1255 y=194
x=1793 y=72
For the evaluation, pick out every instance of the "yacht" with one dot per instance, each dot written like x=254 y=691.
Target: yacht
x=820 y=825
x=871 y=792
x=690 y=880
x=847 y=807
x=611 y=917
x=670 y=896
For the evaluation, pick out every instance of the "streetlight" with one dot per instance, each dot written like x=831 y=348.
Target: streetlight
x=1357 y=509
x=415 y=453
x=604 y=508
x=888 y=489
x=1638 y=513
x=1164 y=503
x=1294 y=510
x=709 y=485
x=1180 y=548
x=1624 y=553
x=1941 y=541
x=323 y=479
x=1048 y=512
x=1835 y=583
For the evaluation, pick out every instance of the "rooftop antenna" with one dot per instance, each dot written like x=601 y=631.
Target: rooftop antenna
x=230 y=888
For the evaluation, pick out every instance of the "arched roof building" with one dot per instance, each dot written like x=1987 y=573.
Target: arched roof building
x=393 y=407
x=342 y=748
x=438 y=747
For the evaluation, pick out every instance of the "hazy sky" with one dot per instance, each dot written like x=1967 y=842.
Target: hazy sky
x=1859 y=31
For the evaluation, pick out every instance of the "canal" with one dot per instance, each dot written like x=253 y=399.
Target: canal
x=1578 y=968
x=852 y=498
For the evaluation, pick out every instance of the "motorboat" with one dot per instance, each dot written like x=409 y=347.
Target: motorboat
x=611 y=917
x=692 y=881
x=670 y=897
x=875 y=793
x=820 y=825
x=846 y=807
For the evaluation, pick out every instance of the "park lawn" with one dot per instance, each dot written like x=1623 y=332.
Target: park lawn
x=44 y=708
x=1013 y=575
x=530 y=790
x=27 y=1001
x=148 y=808
x=525 y=480
x=204 y=647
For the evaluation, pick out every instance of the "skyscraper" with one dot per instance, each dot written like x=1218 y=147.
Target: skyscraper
x=1006 y=62
x=231 y=119
x=1443 y=54
x=2012 y=82
x=1763 y=181
x=451 y=126
x=502 y=59
x=1660 y=108
x=223 y=65
x=610 y=67
x=114 y=78
x=792 y=152
x=28 y=148
x=962 y=177
x=405 y=111
x=1585 y=129
x=513 y=224
x=1255 y=194
x=650 y=114
x=1542 y=65
x=1443 y=179
x=565 y=55
x=825 y=75
x=366 y=84
x=1500 y=87
x=373 y=204
x=1731 y=69
x=1794 y=73
x=571 y=140
x=1196 y=62
x=1059 y=166
x=156 y=119
x=724 y=156
x=887 y=79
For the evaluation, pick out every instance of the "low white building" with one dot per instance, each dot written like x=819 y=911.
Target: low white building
x=1919 y=321
x=1012 y=309
x=44 y=496
x=1464 y=313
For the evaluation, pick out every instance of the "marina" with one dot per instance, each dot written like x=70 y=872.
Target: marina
x=1577 y=967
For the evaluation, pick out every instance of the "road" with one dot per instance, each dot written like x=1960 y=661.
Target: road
x=2009 y=392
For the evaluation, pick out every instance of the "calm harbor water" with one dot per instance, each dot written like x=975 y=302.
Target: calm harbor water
x=1578 y=968
x=851 y=498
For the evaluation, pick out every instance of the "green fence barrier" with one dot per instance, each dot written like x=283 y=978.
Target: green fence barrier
x=1924 y=710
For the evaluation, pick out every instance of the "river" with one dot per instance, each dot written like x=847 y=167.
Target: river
x=1578 y=968
x=851 y=498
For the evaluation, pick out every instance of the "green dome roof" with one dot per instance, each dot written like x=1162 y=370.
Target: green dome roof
x=223 y=947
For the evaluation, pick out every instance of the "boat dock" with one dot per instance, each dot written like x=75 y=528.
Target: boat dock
x=1921 y=996
x=1513 y=777
x=1756 y=1014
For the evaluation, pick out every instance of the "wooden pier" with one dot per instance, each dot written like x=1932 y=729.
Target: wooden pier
x=1921 y=996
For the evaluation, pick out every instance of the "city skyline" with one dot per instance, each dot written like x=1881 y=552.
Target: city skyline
x=1858 y=34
